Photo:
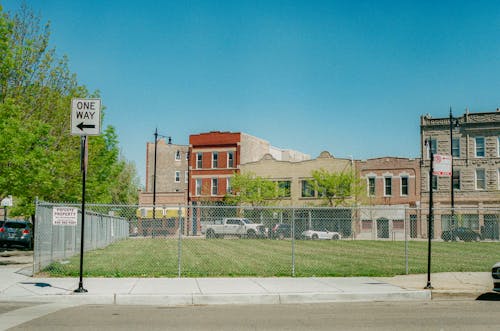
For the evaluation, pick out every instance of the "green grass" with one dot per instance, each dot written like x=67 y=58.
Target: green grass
x=273 y=258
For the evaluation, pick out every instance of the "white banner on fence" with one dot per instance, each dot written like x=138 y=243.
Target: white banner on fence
x=64 y=216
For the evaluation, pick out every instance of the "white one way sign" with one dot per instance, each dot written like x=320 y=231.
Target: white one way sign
x=86 y=117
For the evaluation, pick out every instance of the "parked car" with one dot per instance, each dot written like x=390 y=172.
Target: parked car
x=235 y=226
x=325 y=234
x=14 y=232
x=461 y=233
x=495 y=274
x=281 y=231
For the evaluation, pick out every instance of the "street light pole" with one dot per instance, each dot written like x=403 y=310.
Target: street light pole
x=154 y=185
x=430 y=227
x=452 y=190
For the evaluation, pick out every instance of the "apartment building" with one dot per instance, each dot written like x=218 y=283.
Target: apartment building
x=473 y=140
x=392 y=195
x=216 y=156
x=169 y=175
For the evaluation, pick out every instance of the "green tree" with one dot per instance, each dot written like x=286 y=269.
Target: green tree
x=253 y=190
x=337 y=188
x=39 y=157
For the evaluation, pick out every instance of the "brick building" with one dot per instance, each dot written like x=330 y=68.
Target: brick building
x=216 y=156
x=392 y=194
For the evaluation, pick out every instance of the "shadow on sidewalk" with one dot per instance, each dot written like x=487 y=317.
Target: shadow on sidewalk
x=490 y=296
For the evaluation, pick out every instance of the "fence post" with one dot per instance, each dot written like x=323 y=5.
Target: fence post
x=406 y=239
x=293 y=242
x=179 y=242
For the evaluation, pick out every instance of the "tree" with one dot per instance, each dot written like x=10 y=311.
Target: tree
x=253 y=190
x=39 y=157
x=336 y=187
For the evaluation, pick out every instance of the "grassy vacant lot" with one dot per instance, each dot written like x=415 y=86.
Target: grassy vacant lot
x=158 y=257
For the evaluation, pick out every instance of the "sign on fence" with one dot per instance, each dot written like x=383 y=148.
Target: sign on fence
x=65 y=216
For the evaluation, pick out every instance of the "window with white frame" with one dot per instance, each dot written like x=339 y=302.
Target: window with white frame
x=480 y=150
x=371 y=186
x=230 y=159
x=215 y=160
x=480 y=179
x=215 y=186
x=404 y=185
x=228 y=185
x=186 y=176
x=177 y=176
x=199 y=160
x=498 y=146
x=198 y=186
x=434 y=182
x=178 y=155
x=387 y=186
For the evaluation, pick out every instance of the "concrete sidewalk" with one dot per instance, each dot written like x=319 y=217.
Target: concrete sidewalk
x=17 y=285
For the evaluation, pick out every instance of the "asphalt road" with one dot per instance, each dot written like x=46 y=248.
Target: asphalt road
x=420 y=315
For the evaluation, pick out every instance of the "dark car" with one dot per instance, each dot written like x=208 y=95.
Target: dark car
x=460 y=233
x=14 y=232
x=283 y=230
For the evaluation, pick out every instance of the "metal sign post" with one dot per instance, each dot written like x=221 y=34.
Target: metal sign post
x=431 y=217
x=83 y=163
x=85 y=121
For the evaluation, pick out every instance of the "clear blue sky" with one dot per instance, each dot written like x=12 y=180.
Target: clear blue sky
x=350 y=77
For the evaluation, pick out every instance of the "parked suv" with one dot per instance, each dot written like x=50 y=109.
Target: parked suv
x=14 y=232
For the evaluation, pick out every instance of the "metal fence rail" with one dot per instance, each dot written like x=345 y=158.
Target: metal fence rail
x=175 y=241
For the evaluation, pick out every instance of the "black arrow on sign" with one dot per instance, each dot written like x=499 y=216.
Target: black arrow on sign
x=82 y=126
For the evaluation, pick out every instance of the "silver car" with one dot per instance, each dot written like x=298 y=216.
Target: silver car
x=325 y=234
x=495 y=274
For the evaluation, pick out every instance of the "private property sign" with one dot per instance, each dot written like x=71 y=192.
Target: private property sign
x=64 y=216
x=442 y=165
x=86 y=117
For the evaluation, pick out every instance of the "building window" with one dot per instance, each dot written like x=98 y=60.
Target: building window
x=366 y=225
x=404 y=186
x=215 y=186
x=480 y=147
x=456 y=179
x=215 y=160
x=434 y=183
x=498 y=178
x=307 y=189
x=433 y=148
x=230 y=159
x=199 y=160
x=198 y=185
x=178 y=155
x=455 y=147
x=371 y=186
x=186 y=175
x=480 y=179
x=177 y=176
x=498 y=146
x=284 y=188
x=388 y=186
x=229 y=189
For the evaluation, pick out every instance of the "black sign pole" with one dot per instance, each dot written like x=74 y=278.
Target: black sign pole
x=83 y=160
x=431 y=218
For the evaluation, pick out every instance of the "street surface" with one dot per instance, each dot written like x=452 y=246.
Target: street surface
x=419 y=315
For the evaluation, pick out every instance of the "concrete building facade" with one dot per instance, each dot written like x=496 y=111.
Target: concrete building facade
x=473 y=140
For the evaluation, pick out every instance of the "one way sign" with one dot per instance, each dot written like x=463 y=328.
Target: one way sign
x=86 y=117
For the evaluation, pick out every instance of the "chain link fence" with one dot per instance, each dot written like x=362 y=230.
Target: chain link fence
x=217 y=241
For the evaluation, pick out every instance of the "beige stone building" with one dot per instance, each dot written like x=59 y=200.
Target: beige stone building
x=474 y=141
x=294 y=175
x=171 y=173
